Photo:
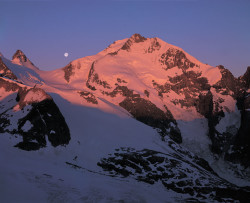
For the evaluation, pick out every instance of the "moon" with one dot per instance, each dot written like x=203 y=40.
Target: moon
x=66 y=55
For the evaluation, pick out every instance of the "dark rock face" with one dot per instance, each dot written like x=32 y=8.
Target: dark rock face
x=233 y=144
x=174 y=57
x=135 y=38
x=9 y=86
x=205 y=104
x=211 y=110
x=190 y=84
x=161 y=89
x=68 y=72
x=120 y=80
x=155 y=46
x=189 y=79
x=239 y=151
x=227 y=83
x=196 y=90
x=21 y=57
x=146 y=92
x=88 y=96
x=205 y=107
x=33 y=115
x=145 y=111
x=46 y=119
x=174 y=172
x=6 y=72
x=91 y=72
x=245 y=79
x=94 y=78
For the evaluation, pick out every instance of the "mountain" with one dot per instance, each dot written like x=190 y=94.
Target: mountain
x=140 y=121
x=20 y=68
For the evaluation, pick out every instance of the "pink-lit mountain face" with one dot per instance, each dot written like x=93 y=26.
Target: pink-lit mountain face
x=141 y=109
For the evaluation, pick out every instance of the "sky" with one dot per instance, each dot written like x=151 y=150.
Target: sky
x=216 y=32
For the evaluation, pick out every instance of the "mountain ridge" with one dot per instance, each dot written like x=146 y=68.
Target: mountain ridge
x=187 y=110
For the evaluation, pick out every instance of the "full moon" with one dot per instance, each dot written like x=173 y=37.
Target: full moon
x=66 y=54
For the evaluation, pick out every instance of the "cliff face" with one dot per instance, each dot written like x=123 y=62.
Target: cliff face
x=32 y=114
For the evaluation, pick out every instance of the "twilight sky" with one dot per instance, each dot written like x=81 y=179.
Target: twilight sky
x=214 y=31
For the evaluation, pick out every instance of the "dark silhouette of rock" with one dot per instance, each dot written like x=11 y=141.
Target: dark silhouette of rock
x=34 y=116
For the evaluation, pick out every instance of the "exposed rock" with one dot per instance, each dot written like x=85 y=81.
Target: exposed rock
x=21 y=57
x=33 y=116
x=205 y=107
x=8 y=85
x=146 y=92
x=93 y=77
x=5 y=71
x=205 y=104
x=155 y=46
x=46 y=119
x=174 y=172
x=191 y=81
x=161 y=89
x=148 y=113
x=212 y=110
x=233 y=144
x=174 y=57
x=190 y=84
x=88 y=96
x=68 y=72
x=228 y=85
x=120 y=80
x=245 y=79
x=135 y=38
x=91 y=72
x=239 y=151
x=27 y=96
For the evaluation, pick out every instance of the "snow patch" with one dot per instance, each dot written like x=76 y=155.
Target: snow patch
x=230 y=119
x=213 y=74
x=27 y=126
x=194 y=135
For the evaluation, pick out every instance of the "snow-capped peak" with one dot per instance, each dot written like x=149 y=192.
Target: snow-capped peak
x=21 y=59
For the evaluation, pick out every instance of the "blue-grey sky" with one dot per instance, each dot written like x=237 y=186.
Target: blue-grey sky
x=214 y=31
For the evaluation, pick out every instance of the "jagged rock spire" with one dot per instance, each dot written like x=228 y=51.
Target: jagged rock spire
x=20 y=55
x=20 y=58
x=137 y=38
